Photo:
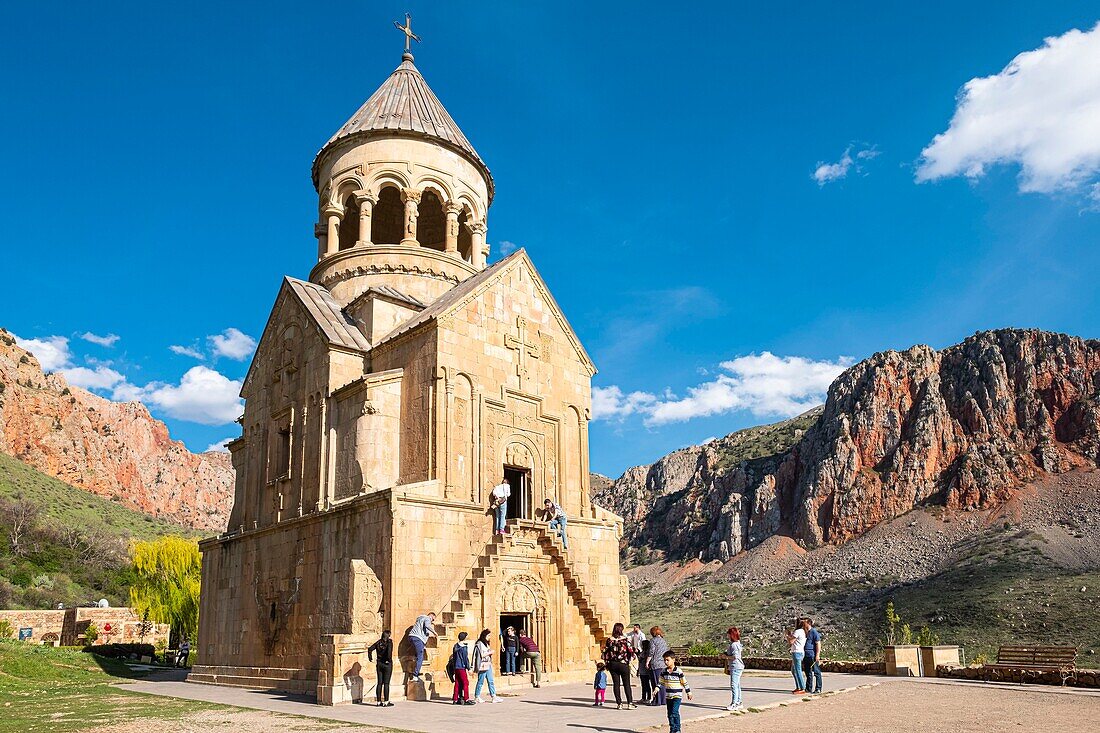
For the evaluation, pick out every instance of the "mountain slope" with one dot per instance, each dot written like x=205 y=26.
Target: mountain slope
x=112 y=449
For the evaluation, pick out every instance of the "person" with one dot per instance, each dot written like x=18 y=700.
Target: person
x=811 y=662
x=735 y=665
x=617 y=654
x=483 y=665
x=555 y=517
x=532 y=654
x=510 y=646
x=418 y=635
x=658 y=645
x=797 y=640
x=645 y=674
x=183 y=653
x=600 y=684
x=461 y=656
x=383 y=668
x=675 y=686
x=498 y=500
x=636 y=637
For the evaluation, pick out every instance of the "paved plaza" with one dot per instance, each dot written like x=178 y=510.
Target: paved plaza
x=551 y=709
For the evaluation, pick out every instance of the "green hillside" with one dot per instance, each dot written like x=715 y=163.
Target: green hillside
x=62 y=544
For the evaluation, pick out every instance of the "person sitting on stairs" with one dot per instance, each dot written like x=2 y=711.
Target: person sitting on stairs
x=555 y=517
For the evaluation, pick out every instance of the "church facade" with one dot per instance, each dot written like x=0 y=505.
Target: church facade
x=389 y=393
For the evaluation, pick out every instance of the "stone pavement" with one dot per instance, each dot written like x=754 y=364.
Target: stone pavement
x=563 y=708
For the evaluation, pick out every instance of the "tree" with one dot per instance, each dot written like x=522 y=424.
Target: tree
x=19 y=516
x=167 y=574
x=892 y=620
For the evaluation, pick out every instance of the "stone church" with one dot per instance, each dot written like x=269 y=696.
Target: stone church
x=389 y=393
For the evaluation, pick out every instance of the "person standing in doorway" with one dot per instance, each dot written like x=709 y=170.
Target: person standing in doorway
x=599 y=684
x=381 y=652
x=498 y=500
x=735 y=665
x=675 y=686
x=531 y=652
x=483 y=665
x=461 y=656
x=658 y=645
x=418 y=635
x=509 y=646
x=617 y=654
x=555 y=518
x=797 y=640
x=811 y=662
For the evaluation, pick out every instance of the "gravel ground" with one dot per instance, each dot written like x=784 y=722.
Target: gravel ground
x=235 y=721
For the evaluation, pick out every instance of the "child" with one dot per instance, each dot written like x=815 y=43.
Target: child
x=461 y=665
x=600 y=685
x=675 y=686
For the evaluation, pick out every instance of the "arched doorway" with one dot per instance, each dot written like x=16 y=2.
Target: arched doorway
x=523 y=606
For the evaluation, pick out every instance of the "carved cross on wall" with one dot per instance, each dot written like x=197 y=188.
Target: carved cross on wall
x=523 y=348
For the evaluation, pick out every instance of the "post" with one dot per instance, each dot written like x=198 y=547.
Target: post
x=478 y=252
x=411 y=197
x=333 y=214
x=366 y=201
x=320 y=230
x=452 y=210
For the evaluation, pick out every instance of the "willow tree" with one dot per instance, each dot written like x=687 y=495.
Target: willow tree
x=167 y=576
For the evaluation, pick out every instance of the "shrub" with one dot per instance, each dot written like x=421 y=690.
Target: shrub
x=120 y=651
x=6 y=630
x=704 y=649
x=90 y=634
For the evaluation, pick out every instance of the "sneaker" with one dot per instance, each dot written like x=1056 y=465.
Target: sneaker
x=632 y=706
x=619 y=706
x=798 y=692
x=496 y=700
x=469 y=702
x=733 y=708
x=478 y=701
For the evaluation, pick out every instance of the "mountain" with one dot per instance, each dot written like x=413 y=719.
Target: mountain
x=965 y=428
x=116 y=450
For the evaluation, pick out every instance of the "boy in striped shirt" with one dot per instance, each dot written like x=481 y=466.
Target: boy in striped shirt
x=675 y=686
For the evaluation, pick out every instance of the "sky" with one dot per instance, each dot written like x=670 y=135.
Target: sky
x=731 y=204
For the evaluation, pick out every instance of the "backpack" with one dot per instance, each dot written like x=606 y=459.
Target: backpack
x=451 y=667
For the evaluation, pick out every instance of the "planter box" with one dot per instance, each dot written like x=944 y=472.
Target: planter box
x=902 y=660
x=937 y=656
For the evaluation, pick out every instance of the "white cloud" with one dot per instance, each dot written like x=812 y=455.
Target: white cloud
x=610 y=402
x=219 y=447
x=829 y=172
x=203 y=396
x=126 y=392
x=1041 y=112
x=108 y=340
x=99 y=378
x=507 y=248
x=52 y=352
x=186 y=351
x=232 y=343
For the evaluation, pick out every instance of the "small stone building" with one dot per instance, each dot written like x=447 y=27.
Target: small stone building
x=389 y=393
x=69 y=626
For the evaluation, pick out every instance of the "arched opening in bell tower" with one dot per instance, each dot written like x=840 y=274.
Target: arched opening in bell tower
x=431 y=222
x=349 y=224
x=387 y=217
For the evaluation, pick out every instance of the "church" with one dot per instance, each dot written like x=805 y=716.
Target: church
x=389 y=393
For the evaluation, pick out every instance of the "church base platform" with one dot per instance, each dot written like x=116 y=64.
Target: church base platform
x=279 y=679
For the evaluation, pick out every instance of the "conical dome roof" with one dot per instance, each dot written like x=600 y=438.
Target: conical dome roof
x=405 y=104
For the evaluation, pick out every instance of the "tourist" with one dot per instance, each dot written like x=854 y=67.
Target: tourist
x=483 y=665
x=675 y=687
x=658 y=645
x=555 y=517
x=600 y=684
x=418 y=635
x=617 y=653
x=811 y=662
x=498 y=500
x=636 y=637
x=460 y=656
x=183 y=653
x=532 y=654
x=381 y=653
x=509 y=645
x=735 y=665
x=797 y=640
x=645 y=674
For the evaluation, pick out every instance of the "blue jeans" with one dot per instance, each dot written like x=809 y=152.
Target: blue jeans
x=735 y=686
x=796 y=670
x=510 y=660
x=499 y=515
x=673 y=708
x=812 y=670
x=418 y=645
x=559 y=523
x=482 y=677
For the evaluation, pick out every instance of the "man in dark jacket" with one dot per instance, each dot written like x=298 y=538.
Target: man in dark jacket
x=531 y=651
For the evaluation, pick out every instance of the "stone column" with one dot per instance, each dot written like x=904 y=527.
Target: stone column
x=411 y=197
x=452 y=210
x=320 y=230
x=366 y=201
x=333 y=213
x=479 y=252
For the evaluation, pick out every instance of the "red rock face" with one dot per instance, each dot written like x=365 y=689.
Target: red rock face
x=116 y=450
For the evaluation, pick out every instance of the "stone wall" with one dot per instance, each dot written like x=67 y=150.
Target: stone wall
x=1080 y=678
x=66 y=627
x=783 y=664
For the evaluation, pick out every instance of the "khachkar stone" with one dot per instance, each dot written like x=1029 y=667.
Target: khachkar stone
x=389 y=394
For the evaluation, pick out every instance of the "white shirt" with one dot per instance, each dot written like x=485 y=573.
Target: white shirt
x=798 y=646
x=636 y=639
x=502 y=491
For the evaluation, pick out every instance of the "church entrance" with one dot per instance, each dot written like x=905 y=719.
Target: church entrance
x=517 y=621
x=519 y=506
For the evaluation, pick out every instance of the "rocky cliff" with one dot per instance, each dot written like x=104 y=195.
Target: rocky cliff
x=964 y=427
x=113 y=449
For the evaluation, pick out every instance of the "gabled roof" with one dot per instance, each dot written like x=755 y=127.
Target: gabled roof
x=386 y=291
x=326 y=312
x=474 y=285
x=404 y=104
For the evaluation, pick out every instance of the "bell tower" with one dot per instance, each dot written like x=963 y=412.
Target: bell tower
x=402 y=195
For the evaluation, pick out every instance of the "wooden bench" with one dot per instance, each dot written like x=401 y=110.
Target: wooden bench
x=1060 y=659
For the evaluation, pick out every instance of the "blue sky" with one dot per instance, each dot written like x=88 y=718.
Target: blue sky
x=730 y=202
